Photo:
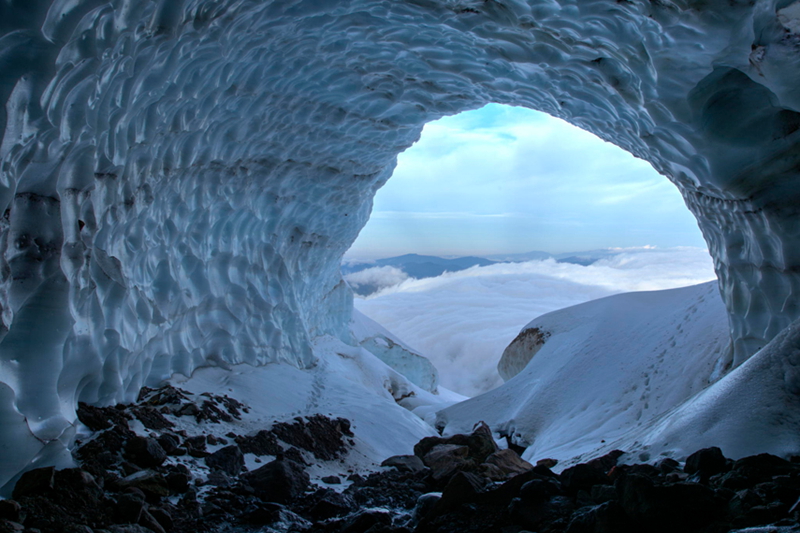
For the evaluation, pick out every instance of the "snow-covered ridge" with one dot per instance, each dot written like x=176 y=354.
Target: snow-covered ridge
x=180 y=178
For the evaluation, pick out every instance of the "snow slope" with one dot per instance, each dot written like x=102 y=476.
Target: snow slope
x=607 y=369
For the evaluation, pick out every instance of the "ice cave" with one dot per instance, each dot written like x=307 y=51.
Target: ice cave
x=181 y=178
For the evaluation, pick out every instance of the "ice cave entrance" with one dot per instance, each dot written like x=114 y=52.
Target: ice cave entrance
x=501 y=184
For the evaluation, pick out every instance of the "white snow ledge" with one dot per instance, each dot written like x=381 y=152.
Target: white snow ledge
x=180 y=178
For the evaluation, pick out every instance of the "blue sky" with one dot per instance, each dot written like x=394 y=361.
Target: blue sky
x=506 y=180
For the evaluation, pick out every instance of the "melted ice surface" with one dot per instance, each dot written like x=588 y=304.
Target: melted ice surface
x=180 y=178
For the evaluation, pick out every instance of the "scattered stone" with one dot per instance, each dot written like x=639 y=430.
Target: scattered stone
x=100 y=418
x=331 y=480
x=151 y=418
x=322 y=436
x=262 y=443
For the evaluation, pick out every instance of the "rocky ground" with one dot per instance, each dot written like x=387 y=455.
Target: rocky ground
x=140 y=473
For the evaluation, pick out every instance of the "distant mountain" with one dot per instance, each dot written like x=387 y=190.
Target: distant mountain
x=586 y=258
x=429 y=266
x=520 y=258
x=420 y=266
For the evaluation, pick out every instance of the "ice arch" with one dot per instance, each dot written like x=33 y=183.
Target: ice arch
x=181 y=177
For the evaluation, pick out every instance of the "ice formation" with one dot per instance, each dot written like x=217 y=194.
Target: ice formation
x=180 y=178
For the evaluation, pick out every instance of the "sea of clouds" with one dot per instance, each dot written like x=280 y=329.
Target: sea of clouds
x=462 y=321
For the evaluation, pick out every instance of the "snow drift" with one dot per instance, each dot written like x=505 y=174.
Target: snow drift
x=180 y=178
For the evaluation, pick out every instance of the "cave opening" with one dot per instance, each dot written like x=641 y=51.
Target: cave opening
x=501 y=214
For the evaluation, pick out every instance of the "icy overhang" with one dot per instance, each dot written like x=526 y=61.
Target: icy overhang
x=180 y=178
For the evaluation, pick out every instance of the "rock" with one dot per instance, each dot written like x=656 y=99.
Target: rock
x=330 y=504
x=128 y=528
x=539 y=490
x=667 y=465
x=536 y=515
x=228 y=459
x=509 y=462
x=331 y=480
x=365 y=520
x=492 y=472
x=547 y=463
x=147 y=520
x=151 y=418
x=129 y=508
x=425 y=505
x=100 y=418
x=170 y=443
x=653 y=507
x=178 y=482
x=604 y=518
x=279 y=481
x=322 y=436
x=145 y=452
x=463 y=488
x=196 y=443
x=153 y=484
x=10 y=510
x=444 y=460
x=480 y=443
x=9 y=526
x=405 y=463
x=218 y=478
x=763 y=467
x=163 y=517
x=608 y=461
x=35 y=482
x=706 y=462
x=582 y=477
x=262 y=443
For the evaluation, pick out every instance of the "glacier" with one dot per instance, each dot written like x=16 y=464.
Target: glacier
x=179 y=179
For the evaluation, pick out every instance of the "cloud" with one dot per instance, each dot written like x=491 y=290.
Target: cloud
x=463 y=321
x=375 y=279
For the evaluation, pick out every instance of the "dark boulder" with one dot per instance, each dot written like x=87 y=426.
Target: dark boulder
x=37 y=482
x=582 y=477
x=444 y=460
x=279 y=481
x=229 y=459
x=145 y=452
x=405 y=463
x=706 y=463
x=480 y=443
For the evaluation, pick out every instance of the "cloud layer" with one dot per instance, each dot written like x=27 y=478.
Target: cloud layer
x=463 y=321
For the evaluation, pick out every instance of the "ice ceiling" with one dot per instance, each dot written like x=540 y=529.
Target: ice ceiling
x=180 y=178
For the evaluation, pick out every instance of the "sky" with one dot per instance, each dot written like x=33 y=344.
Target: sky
x=504 y=179
x=462 y=321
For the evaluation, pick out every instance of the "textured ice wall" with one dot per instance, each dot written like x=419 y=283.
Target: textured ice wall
x=181 y=177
